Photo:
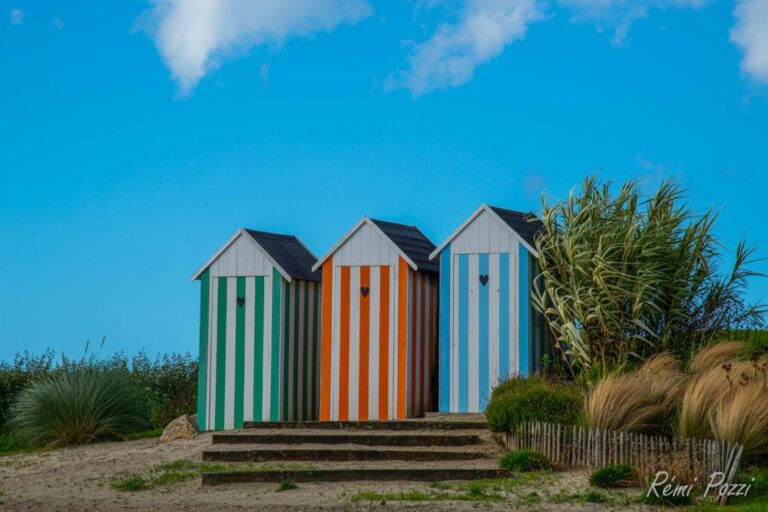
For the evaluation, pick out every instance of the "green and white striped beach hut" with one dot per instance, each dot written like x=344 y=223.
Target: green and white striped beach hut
x=259 y=336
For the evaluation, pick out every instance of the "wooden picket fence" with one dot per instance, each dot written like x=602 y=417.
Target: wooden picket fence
x=579 y=446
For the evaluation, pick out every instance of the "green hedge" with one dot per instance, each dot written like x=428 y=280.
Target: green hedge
x=756 y=340
x=169 y=381
x=522 y=400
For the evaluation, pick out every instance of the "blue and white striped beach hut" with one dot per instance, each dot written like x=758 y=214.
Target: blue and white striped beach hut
x=488 y=329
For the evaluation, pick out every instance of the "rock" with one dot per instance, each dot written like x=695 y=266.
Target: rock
x=182 y=427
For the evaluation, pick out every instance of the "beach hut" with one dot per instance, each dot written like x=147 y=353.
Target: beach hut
x=259 y=332
x=379 y=339
x=488 y=329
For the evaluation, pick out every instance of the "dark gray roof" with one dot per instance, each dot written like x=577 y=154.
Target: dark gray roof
x=412 y=242
x=289 y=253
x=525 y=224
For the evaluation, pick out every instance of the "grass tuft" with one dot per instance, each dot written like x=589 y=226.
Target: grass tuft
x=643 y=400
x=714 y=356
x=524 y=461
x=78 y=407
x=181 y=470
x=612 y=477
x=286 y=486
x=131 y=483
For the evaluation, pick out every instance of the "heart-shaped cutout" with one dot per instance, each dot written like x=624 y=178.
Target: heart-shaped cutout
x=484 y=279
x=364 y=290
x=240 y=301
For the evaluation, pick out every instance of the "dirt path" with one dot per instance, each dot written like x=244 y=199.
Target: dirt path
x=79 y=479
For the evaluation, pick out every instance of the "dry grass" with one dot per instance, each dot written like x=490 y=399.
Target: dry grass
x=640 y=401
x=743 y=418
x=717 y=355
x=704 y=391
x=723 y=397
x=728 y=402
x=622 y=402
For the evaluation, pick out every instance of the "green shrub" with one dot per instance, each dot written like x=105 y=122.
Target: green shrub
x=518 y=400
x=79 y=406
x=169 y=380
x=16 y=375
x=524 y=461
x=755 y=340
x=612 y=476
x=171 y=384
x=287 y=486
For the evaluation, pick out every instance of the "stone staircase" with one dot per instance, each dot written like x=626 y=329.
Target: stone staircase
x=435 y=448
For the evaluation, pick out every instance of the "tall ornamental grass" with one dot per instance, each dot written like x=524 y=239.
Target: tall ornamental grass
x=169 y=380
x=625 y=276
x=721 y=396
x=77 y=407
x=643 y=400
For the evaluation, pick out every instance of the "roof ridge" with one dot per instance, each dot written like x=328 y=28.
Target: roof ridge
x=268 y=234
x=512 y=211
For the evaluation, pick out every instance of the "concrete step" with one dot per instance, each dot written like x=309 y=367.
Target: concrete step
x=410 y=473
x=445 y=423
x=341 y=453
x=346 y=437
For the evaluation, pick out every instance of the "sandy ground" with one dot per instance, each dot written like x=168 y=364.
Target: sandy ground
x=79 y=479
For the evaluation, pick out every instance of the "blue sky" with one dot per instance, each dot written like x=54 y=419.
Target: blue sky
x=137 y=137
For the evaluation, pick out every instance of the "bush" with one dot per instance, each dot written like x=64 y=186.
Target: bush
x=612 y=476
x=16 y=375
x=286 y=486
x=171 y=384
x=518 y=400
x=79 y=406
x=524 y=461
x=169 y=380
x=755 y=340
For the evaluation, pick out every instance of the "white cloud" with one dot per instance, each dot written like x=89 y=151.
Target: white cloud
x=619 y=15
x=193 y=36
x=17 y=16
x=481 y=32
x=751 y=34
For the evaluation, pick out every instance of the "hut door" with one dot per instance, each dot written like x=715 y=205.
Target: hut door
x=483 y=325
x=366 y=342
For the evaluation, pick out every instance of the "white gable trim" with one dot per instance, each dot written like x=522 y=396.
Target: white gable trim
x=486 y=208
x=238 y=234
x=348 y=235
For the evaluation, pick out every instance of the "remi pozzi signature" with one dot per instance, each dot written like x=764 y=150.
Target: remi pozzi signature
x=664 y=486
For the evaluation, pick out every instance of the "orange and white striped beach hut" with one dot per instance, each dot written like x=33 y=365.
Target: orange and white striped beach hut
x=379 y=324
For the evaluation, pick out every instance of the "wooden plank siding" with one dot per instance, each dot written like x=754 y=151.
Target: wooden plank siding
x=488 y=329
x=379 y=332
x=259 y=341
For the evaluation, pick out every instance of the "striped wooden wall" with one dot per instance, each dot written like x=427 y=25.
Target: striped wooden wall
x=301 y=349
x=379 y=341
x=256 y=336
x=485 y=319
